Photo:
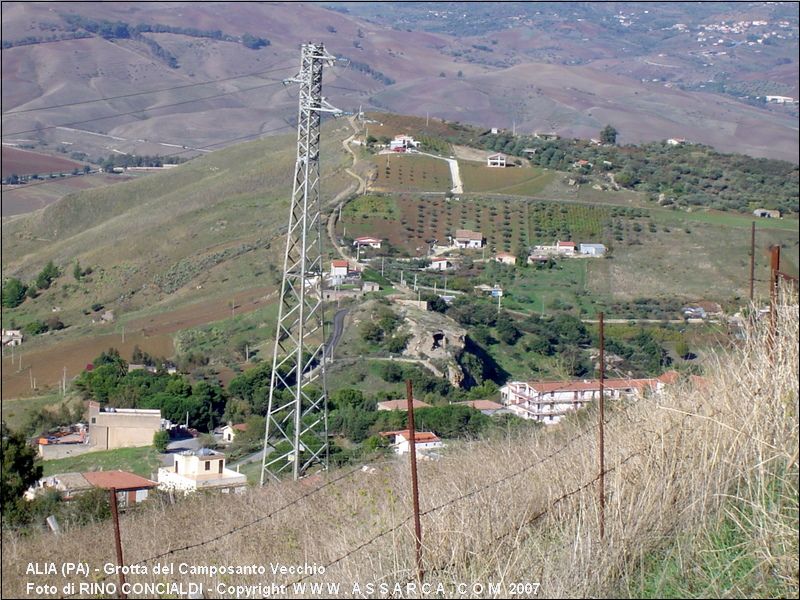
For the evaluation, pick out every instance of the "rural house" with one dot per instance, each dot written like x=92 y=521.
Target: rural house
x=440 y=264
x=565 y=248
x=339 y=268
x=131 y=488
x=506 y=258
x=496 y=160
x=465 y=238
x=230 y=430
x=593 y=249
x=122 y=427
x=202 y=469
x=367 y=241
x=423 y=440
x=400 y=143
x=12 y=337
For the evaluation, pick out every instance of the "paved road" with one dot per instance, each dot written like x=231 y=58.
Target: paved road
x=338 y=329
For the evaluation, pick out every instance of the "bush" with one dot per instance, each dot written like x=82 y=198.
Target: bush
x=161 y=440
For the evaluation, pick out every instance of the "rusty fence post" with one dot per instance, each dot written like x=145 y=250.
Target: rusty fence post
x=602 y=417
x=414 y=485
x=117 y=541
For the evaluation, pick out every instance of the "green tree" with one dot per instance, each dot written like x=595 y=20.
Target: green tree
x=13 y=293
x=47 y=275
x=608 y=135
x=20 y=470
x=161 y=440
x=77 y=272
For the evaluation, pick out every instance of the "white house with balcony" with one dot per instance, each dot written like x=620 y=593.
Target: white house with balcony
x=202 y=469
x=496 y=160
x=549 y=401
x=12 y=337
x=372 y=242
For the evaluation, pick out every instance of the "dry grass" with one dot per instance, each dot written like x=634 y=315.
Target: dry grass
x=517 y=509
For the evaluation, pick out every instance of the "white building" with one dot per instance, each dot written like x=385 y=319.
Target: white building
x=230 y=430
x=506 y=258
x=367 y=241
x=440 y=264
x=676 y=141
x=202 y=469
x=565 y=248
x=339 y=268
x=549 y=401
x=780 y=99
x=424 y=440
x=12 y=337
x=465 y=238
x=593 y=249
x=496 y=160
x=403 y=142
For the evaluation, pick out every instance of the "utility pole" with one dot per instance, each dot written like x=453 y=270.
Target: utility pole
x=298 y=360
x=381 y=266
x=64 y=382
x=412 y=448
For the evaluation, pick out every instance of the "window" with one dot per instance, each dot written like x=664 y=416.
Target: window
x=208 y=465
x=219 y=467
x=94 y=419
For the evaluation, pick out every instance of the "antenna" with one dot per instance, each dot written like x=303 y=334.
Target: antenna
x=297 y=412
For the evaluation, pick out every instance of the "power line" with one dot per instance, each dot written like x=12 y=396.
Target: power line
x=143 y=110
x=166 y=89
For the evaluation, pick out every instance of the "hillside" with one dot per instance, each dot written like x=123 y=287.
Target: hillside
x=167 y=252
x=705 y=475
x=181 y=81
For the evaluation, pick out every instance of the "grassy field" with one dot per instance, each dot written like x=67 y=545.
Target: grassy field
x=403 y=172
x=15 y=411
x=142 y=461
x=371 y=207
x=522 y=181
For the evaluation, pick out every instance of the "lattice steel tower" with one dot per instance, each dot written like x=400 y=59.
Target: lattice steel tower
x=297 y=417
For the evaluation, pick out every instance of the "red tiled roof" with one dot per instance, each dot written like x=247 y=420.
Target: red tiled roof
x=565 y=244
x=669 y=377
x=543 y=387
x=440 y=259
x=339 y=263
x=505 y=255
x=368 y=239
x=402 y=404
x=419 y=436
x=121 y=480
x=466 y=234
x=240 y=426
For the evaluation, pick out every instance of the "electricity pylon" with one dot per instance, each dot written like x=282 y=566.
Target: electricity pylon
x=296 y=433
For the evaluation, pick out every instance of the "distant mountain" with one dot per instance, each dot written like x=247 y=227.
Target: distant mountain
x=652 y=71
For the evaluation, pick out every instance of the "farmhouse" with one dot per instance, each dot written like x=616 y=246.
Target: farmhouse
x=230 y=430
x=549 y=401
x=423 y=440
x=676 y=141
x=122 y=427
x=339 y=268
x=367 y=241
x=202 y=469
x=506 y=258
x=566 y=248
x=131 y=488
x=767 y=214
x=400 y=143
x=593 y=249
x=12 y=337
x=780 y=99
x=496 y=160
x=440 y=264
x=547 y=136
x=465 y=238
